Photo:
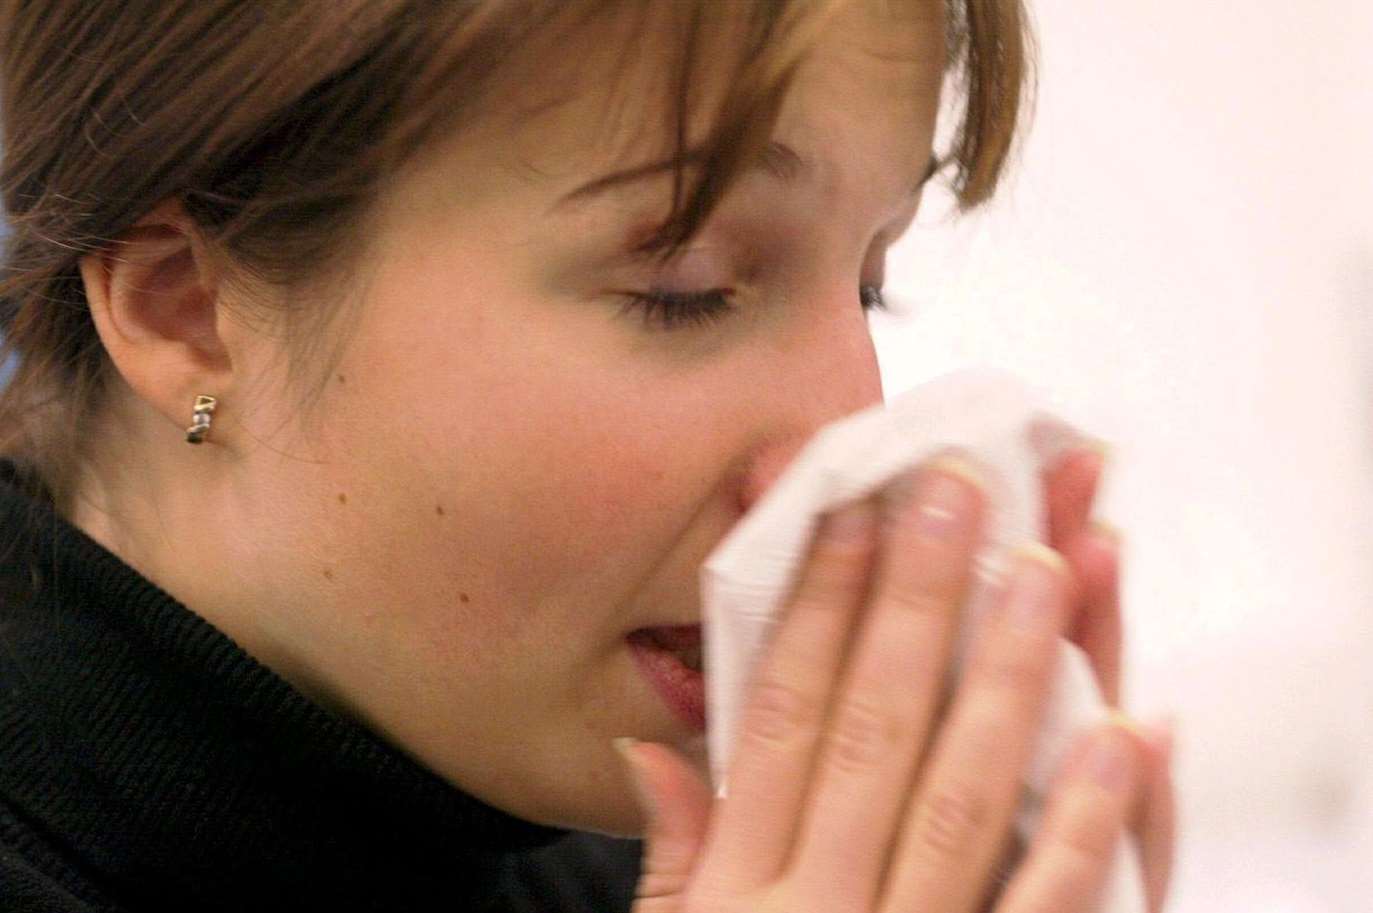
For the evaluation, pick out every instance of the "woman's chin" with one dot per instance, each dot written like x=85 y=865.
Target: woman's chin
x=617 y=813
x=618 y=816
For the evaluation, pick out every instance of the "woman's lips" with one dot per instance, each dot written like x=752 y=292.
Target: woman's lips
x=685 y=640
x=670 y=658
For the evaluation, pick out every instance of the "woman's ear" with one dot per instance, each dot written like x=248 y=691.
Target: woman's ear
x=155 y=298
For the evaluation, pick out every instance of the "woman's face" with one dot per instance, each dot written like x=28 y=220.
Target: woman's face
x=517 y=468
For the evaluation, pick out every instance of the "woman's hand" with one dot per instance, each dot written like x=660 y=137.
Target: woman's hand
x=1093 y=552
x=845 y=793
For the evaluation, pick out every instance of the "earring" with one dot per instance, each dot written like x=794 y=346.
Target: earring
x=200 y=418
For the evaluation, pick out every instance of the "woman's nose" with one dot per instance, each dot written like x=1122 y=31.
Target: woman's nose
x=834 y=374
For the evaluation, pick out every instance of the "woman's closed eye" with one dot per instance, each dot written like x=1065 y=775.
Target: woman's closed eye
x=664 y=310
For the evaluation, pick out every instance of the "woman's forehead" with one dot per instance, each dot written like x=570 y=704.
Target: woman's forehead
x=591 y=126
x=600 y=115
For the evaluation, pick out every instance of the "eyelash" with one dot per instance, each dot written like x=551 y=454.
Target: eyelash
x=671 y=310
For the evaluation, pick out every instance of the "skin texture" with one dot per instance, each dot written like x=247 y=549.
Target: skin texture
x=511 y=473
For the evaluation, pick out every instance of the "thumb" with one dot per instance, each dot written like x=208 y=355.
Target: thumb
x=676 y=804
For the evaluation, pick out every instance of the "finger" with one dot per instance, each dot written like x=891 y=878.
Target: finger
x=1097 y=626
x=1073 y=853
x=676 y=806
x=890 y=690
x=754 y=827
x=1070 y=486
x=1156 y=822
x=971 y=788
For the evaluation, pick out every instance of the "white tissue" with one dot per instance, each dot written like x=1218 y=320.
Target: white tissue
x=986 y=415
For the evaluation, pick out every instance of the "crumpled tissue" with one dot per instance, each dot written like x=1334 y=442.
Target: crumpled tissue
x=997 y=422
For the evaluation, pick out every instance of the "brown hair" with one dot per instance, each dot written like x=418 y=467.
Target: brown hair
x=273 y=122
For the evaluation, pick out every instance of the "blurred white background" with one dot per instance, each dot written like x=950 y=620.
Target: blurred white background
x=1183 y=262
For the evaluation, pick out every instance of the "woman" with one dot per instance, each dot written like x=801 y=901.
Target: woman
x=487 y=320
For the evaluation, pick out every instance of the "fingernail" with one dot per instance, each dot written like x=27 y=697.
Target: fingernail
x=1103 y=530
x=1037 y=573
x=948 y=491
x=1100 y=448
x=1056 y=447
x=1122 y=719
x=625 y=746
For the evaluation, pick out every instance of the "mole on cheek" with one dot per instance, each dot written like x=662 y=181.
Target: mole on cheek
x=438 y=508
x=340 y=378
x=464 y=597
x=342 y=498
x=328 y=574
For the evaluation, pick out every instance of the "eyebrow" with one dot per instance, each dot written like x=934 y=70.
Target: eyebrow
x=778 y=160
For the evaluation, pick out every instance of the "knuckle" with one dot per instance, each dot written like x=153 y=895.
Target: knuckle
x=951 y=821
x=864 y=735
x=778 y=712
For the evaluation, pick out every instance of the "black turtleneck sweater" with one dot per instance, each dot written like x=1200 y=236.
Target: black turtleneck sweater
x=147 y=764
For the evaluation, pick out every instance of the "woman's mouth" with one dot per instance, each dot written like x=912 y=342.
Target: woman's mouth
x=671 y=659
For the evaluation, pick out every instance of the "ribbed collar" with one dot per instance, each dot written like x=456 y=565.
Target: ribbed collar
x=187 y=775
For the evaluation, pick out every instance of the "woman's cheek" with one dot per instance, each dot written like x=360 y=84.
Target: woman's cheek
x=622 y=489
